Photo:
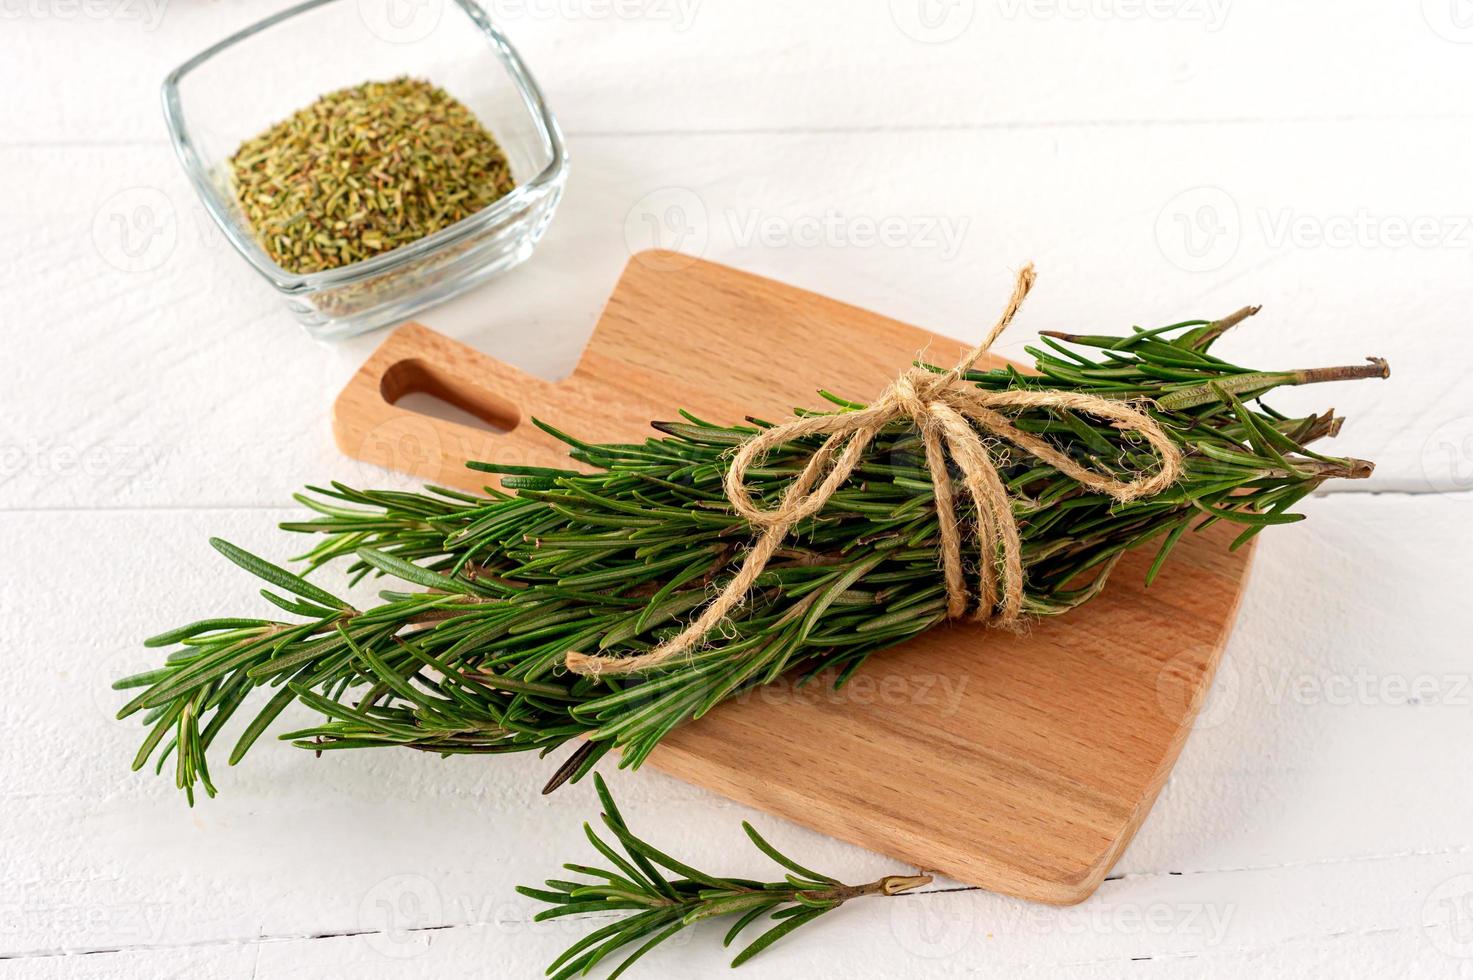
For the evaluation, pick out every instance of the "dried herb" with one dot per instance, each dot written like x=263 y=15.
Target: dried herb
x=364 y=170
x=663 y=905
x=465 y=653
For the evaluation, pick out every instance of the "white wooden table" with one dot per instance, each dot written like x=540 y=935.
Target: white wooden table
x=1158 y=160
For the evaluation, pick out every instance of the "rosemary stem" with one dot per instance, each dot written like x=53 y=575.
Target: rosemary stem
x=1256 y=382
x=1376 y=368
x=888 y=885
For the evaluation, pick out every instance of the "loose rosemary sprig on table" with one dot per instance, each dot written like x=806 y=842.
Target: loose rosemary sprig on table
x=465 y=654
x=663 y=905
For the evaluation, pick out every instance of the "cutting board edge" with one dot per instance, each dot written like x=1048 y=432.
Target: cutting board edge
x=810 y=314
x=1011 y=881
x=990 y=873
x=1107 y=861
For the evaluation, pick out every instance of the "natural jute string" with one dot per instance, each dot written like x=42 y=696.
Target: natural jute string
x=948 y=412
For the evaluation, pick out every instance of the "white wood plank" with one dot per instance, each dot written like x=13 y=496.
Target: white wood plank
x=1329 y=706
x=1157 y=161
x=620 y=66
x=168 y=376
x=464 y=954
x=856 y=942
x=1308 y=825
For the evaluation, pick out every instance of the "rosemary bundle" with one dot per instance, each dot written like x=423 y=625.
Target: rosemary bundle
x=663 y=905
x=490 y=595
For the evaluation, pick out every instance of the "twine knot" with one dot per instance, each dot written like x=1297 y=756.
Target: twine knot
x=951 y=416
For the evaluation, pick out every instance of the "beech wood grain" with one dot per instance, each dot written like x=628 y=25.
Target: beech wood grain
x=1019 y=763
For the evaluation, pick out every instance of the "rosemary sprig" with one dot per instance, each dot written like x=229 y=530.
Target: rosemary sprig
x=464 y=653
x=662 y=903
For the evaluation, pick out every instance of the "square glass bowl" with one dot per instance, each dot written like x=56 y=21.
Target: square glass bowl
x=237 y=88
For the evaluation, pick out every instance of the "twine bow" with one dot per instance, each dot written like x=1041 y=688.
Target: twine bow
x=950 y=415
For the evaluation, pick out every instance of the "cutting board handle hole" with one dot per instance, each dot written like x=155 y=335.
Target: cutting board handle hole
x=418 y=386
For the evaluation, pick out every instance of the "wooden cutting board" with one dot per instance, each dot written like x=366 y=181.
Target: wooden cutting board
x=1023 y=764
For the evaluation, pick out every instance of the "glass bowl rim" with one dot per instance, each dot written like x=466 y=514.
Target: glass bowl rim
x=289 y=282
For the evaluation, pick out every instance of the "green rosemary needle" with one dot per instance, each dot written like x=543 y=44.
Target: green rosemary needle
x=490 y=592
x=661 y=904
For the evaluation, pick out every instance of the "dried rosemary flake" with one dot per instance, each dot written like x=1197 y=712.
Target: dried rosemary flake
x=364 y=170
